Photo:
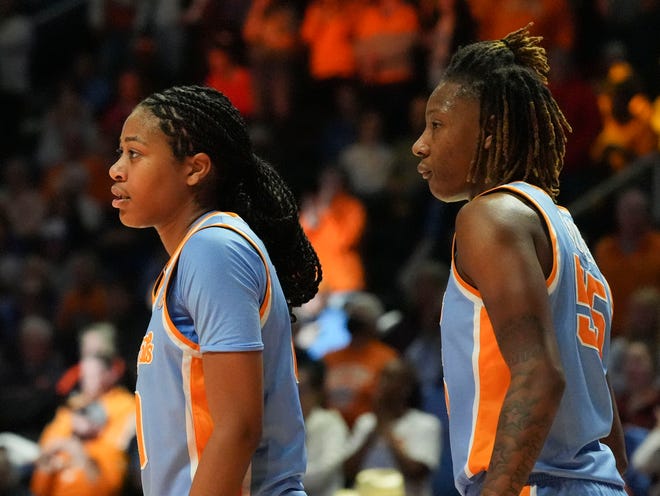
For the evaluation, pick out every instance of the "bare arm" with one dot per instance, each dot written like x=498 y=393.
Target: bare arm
x=502 y=249
x=234 y=385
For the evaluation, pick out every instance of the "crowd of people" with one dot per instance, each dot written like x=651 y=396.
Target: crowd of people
x=334 y=93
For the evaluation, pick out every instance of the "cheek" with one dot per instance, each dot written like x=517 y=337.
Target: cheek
x=451 y=165
x=463 y=150
x=449 y=180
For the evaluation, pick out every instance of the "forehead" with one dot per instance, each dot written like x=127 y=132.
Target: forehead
x=141 y=122
x=449 y=97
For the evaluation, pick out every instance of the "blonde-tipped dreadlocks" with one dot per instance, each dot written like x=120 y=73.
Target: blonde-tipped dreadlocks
x=528 y=129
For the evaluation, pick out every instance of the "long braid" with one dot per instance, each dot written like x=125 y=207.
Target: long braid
x=509 y=77
x=199 y=119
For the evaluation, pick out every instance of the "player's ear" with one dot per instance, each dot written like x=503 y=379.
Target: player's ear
x=199 y=166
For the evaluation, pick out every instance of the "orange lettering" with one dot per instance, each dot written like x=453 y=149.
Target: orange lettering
x=146 y=349
x=590 y=325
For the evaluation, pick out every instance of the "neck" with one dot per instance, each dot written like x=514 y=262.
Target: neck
x=172 y=233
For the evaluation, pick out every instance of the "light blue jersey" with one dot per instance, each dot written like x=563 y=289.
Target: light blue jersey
x=218 y=293
x=476 y=376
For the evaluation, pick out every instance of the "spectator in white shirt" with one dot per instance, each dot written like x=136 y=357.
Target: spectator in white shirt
x=325 y=431
x=396 y=435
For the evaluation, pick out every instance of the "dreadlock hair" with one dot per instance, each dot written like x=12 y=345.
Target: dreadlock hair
x=199 y=119
x=509 y=77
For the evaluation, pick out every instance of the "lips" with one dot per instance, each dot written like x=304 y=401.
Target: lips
x=120 y=196
x=426 y=173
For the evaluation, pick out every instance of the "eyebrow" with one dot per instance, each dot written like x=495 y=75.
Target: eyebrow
x=134 y=138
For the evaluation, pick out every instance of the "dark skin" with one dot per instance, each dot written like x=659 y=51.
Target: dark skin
x=154 y=189
x=504 y=251
x=500 y=227
x=509 y=231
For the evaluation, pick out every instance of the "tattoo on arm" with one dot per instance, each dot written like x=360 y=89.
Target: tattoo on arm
x=528 y=409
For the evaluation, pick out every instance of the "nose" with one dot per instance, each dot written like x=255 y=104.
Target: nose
x=116 y=171
x=419 y=148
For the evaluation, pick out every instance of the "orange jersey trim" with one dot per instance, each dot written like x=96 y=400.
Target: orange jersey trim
x=142 y=452
x=491 y=385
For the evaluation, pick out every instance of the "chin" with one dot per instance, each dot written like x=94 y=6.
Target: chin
x=124 y=220
x=128 y=222
x=447 y=196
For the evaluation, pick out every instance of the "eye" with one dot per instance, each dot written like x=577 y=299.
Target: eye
x=131 y=153
x=435 y=124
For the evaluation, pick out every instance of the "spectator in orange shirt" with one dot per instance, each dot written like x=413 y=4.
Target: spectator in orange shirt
x=626 y=112
x=629 y=257
x=84 y=448
x=387 y=38
x=386 y=33
x=328 y=29
x=228 y=76
x=334 y=221
x=271 y=32
x=553 y=19
x=352 y=372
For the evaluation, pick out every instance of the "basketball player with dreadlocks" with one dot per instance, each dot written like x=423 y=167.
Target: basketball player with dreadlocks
x=218 y=405
x=526 y=314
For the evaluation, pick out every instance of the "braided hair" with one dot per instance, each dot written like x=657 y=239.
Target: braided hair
x=199 y=119
x=509 y=77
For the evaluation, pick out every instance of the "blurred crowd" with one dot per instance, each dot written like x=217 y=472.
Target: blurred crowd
x=334 y=94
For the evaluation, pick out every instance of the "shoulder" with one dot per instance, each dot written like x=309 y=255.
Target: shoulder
x=497 y=231
x=495 y=215
x=217 y=244
x=215 y=236
x=212 y=251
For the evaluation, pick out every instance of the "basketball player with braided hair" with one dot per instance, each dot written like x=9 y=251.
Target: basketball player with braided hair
x=526 y=314
x=217 y=399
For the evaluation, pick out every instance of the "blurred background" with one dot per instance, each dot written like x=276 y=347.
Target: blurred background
x=334 y=95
